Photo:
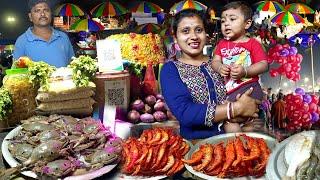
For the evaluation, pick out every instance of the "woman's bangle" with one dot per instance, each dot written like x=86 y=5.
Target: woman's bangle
x=219 y=68
x=245 y=72
x=228 y=110
x=232 y=111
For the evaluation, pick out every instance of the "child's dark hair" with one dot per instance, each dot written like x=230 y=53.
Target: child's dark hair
x=244 y=8
x=186 y=13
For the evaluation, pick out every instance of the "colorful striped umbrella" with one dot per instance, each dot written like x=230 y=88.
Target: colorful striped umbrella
x=187 y=4
x=146 y=7
x=108 y=8
x=286 y=18
x=271 y=6
x=68 y=9
x=87 y=25
x=148 y=28
x=299 y=8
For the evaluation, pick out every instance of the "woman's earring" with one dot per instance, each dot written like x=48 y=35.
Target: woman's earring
x=177 y=47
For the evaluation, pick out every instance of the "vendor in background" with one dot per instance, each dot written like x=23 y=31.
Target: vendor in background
x=42 y=42
x=278 y=112
x=194 y=92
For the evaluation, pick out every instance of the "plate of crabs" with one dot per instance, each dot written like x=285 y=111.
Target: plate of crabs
x=74 y=167
x=230 y=156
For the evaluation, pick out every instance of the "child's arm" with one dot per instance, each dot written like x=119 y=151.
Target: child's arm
x=238 y=71
x=257 y=68
x=219 y=67
x=259 y=63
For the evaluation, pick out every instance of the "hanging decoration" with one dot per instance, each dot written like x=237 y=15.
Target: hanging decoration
x=307 y=40
x=302 y=39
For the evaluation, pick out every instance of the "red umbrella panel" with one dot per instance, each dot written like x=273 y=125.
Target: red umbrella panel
x=148 y=28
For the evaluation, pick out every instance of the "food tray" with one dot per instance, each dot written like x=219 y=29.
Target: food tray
x=271 y=142
x=121 y=176
x=137 y=129
x=276 y=168
x=13 y=163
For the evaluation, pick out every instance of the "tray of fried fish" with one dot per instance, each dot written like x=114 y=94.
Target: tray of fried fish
x=235 y=150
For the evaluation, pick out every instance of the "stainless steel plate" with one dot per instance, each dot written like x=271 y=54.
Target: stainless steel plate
x=276 y=168
x=271 y=142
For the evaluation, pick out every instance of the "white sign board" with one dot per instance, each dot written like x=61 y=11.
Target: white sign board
x=135 y=15
x=145 y=20
x=109 y=55
x=115 y=96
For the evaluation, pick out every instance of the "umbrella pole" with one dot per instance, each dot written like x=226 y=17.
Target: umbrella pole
x=312 y=69
x=280 y=82
x=68 y=22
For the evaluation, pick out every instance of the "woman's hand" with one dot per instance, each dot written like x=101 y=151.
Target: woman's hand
x=246 y=106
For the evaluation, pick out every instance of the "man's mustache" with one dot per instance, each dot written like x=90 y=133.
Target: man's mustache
x=43 y=18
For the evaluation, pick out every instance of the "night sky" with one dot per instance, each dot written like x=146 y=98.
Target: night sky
x=19 y=10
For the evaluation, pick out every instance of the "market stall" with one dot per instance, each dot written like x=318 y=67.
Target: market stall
x=104 y=115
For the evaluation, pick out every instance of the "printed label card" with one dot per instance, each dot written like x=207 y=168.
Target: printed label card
x=109 y=55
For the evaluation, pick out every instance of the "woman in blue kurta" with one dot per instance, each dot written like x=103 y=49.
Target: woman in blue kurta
x=194 y=92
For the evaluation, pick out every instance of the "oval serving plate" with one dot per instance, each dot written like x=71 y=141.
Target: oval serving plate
x=276 y=167
x=121 y=176
x=271 y=142
x=13 y=163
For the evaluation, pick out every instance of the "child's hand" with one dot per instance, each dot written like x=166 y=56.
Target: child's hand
x=237 y=72
x=224 y=70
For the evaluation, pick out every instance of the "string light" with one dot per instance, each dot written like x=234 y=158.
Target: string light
x=11 y=19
